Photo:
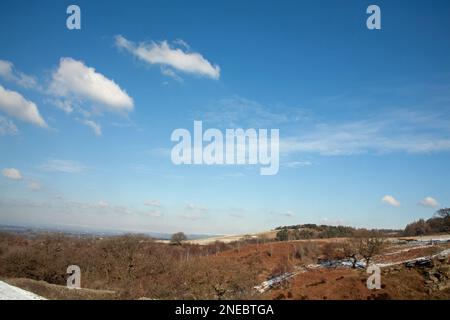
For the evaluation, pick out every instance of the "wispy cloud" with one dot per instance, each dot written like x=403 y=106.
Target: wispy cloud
x=296 y=164
x=65 y=105
x=193 y=216
x=400 y=131
x=65 y=166
x=238 y=112
x=33 y=185
x=155 y=213
x=162 y=53
x=172 y=74
x=195 y=207
x=397 y=130
x=103 y=204
x=152 y=203
x=7 y=127
x=10 y=73
x=194 y=212
x=286 y=214
x=93 y=125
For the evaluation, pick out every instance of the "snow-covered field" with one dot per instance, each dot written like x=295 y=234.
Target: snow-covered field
x=8 y=292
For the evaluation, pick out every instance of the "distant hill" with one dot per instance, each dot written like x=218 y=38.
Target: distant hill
x=313 y=231
x=84 y=232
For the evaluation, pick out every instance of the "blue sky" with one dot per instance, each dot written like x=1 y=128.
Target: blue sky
x=364 y=115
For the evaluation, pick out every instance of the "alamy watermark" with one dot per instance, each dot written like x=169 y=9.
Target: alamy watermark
x=73 y=22
x=374 y=20
x=234 y=147
x=374 y=280
x=74 y=278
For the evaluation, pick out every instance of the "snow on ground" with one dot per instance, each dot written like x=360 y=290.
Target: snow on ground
x=8 y=292
x=444 y=253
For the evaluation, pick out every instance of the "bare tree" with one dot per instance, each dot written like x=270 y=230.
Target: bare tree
x=443 y=213
x=350 y=251
x=369 y=247
x=178 y=238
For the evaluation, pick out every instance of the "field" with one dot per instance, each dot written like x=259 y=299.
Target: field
x=248 y=267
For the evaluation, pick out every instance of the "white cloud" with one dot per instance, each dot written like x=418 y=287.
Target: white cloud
x=15 y=174
x=177 y=58
x=429 y=202
x=152 y=203
x=8 y=72
x=15 y=105
x=390 y=200
x=7 y=127
x=66 y=166
x=74 y=80
x=12 y=173
x=94 y=126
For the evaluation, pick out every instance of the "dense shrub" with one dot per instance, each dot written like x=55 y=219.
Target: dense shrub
x=133 y=266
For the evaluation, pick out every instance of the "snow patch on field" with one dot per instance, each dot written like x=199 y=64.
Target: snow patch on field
x=8 y=292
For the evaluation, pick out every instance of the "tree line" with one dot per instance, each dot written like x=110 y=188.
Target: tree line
x=439 y=223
